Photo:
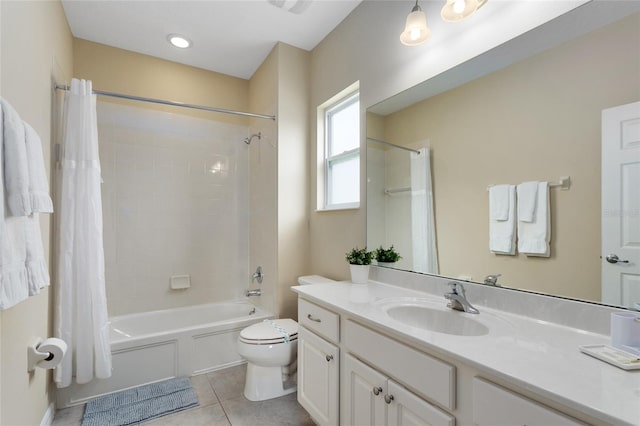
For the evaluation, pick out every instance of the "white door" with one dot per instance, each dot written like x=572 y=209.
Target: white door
x=621 y=205
x=363 y=398
x=407 y=409
x=318 y=374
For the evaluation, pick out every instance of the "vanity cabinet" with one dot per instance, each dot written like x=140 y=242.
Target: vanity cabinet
x=352 y=373
x=372 y=398
x=495 y=405
x=318 y=363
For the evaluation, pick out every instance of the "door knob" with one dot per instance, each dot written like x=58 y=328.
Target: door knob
x=613 y=258
x=388 y=399
x=377 y=390
x=329 y=358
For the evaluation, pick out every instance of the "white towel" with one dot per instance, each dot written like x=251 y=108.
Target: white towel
x=16 y=171
x=534 y=236
x=38 y=183
x=502 y=233
x=527 y=196
x=499 y=202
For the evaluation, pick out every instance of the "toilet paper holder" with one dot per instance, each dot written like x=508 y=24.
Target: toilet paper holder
x=35 y=356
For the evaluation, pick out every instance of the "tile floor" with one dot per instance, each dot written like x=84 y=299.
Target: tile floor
x=221 y=404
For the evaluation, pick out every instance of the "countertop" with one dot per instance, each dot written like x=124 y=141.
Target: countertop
x=536 y=355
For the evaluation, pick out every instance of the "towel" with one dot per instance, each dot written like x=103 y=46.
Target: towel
x=502 y=233
x=534 y=235
x=38 y=185
x=499 y=202
x=23 y=268
x=16 y=171
x=527 y=195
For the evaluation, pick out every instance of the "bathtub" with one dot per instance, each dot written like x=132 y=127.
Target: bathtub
x=152 y=346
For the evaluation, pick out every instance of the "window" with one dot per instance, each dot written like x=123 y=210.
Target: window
x=342 y=153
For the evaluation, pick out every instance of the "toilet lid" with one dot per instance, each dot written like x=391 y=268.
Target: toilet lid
x=270 y=331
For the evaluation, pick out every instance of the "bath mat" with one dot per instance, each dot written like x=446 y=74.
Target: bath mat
x=132 y=406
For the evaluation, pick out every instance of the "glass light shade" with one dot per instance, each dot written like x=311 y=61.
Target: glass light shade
x=457 y=10
x=415 y=31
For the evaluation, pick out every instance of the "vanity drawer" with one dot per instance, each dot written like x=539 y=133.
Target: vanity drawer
x=428 y=376
x=513 y=409
x=318 y=319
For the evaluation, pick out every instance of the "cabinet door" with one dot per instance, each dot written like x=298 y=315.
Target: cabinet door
x=318 y=372
x=407 y=409
x=363 y=397
x=496 y=406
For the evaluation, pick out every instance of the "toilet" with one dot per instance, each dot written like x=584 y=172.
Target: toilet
x=270 y=348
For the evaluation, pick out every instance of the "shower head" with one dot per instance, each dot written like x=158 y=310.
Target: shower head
x=250 y=138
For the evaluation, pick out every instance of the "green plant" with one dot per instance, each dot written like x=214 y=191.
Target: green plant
x=360 y=256
x=389 y=255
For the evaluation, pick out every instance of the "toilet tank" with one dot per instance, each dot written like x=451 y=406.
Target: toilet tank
x=313 y=279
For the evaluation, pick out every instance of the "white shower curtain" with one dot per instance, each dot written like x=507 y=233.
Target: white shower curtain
x=81 y=307
x=425 y=255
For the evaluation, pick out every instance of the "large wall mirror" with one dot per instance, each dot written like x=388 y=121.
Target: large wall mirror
x=536 y=119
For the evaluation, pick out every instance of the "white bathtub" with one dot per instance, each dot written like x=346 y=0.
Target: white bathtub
x=158 y=345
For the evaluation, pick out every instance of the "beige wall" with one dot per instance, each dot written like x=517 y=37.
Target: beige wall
x=293 y=151
x=278 y=177
x=36 y=48
x=536 y=120
x=263 y=175
x=121 y=71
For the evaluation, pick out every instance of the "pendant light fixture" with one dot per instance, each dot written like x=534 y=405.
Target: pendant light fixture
x=415 y=31
x=457 y=10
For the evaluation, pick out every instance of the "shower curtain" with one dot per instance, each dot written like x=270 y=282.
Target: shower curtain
x=80 y=307
x=425 y=255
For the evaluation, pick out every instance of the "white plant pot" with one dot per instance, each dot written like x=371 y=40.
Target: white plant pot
x=359 y=274
x=387 y=264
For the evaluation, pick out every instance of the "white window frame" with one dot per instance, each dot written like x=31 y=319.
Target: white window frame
x=330 y=110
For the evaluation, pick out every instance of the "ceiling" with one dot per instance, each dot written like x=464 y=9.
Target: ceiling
x=229 y=36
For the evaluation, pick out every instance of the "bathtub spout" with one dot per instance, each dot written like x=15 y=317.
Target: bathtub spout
x=256 y=292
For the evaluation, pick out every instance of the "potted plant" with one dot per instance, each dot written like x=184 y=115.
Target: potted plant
x=359 y=262
x=386 y=257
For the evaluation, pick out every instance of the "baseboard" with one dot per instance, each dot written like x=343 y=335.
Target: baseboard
x=47 y=419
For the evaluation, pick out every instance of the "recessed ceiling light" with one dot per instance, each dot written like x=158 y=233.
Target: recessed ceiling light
x=179 y=41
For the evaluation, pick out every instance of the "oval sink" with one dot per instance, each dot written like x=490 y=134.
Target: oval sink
x=447 y=322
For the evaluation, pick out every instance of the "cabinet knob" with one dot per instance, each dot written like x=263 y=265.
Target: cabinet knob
x=377 y=390
x=388 y=398
x=329 y=358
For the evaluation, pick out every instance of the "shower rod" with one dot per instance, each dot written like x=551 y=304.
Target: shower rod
x=393 y=145
x=174 y=103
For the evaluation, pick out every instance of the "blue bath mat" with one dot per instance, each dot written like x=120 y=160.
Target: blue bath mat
x=132 y=406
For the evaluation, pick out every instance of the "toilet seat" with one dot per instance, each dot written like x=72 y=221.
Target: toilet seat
x=270 y=332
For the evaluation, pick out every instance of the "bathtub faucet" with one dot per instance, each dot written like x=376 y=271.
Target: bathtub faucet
x=256 y=292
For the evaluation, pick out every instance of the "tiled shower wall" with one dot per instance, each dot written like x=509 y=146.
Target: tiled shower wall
x=175 y=202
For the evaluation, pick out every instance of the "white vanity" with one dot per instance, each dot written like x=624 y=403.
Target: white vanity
x=379 y=354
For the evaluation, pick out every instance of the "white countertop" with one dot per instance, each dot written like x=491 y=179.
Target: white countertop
x=536 y=355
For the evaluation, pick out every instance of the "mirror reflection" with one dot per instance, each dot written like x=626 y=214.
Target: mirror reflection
x=539 y=119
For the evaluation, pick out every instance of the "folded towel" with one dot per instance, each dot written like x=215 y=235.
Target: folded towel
x=527 y=195
x=38 y=183
x=16 y=171
x=534 y=236
x=499 y=202
x=502 y=233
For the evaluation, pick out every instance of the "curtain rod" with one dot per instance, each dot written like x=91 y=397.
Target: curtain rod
x=393 y=145
x=174 y=103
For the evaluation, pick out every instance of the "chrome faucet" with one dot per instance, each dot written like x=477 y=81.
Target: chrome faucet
x=492 y=280
x=458 y=300
x=256 y=292
x=257 y=275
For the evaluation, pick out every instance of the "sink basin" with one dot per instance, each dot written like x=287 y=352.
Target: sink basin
x=421 y=315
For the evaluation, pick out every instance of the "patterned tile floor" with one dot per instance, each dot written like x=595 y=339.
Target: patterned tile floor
x=221 y=404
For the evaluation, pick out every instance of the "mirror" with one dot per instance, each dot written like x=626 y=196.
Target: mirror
x=538 y=119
